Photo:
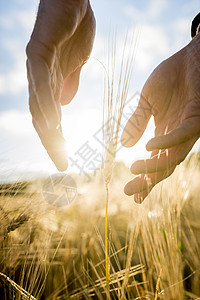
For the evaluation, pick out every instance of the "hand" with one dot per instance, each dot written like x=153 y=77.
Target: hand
x=60 y=44
x=172 y=95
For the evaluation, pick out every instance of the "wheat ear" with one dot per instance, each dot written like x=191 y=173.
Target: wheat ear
x=115 y=95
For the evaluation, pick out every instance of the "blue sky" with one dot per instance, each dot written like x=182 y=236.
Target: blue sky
x=162 y=27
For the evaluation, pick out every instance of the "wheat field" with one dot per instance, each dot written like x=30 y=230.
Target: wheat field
x=51 y=252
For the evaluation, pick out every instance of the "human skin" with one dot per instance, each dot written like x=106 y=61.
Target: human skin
x=172 y=95
x=60 y=45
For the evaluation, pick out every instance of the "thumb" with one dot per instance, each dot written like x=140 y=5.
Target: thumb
x=137 y=123
x=70 y=87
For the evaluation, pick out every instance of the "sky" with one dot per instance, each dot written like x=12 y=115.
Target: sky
x=161 y=27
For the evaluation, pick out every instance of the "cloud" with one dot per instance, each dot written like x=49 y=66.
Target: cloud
x=14 y=80
x=1 y=83
x=149 y=13
x=16 y=123
x=156 y=8
x=153 y=46
x=161 y=33
x=95 y=67
x=13 y=41
x=26 y=19
x=182 y=30
x=6 y=23
x=21 y=151
x=190 y=7
x=21 y=16
x=153 y=41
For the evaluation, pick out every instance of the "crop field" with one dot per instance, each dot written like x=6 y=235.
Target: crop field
x=58 y=252
x=75 y=234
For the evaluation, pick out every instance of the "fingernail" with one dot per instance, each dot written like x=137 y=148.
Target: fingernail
x=127 y=139
x=61 y=165
x=59 y=159
x=138 y=199
x=133 y=168
x=149 y=146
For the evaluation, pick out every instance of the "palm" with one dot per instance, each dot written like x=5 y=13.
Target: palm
x=173 y=94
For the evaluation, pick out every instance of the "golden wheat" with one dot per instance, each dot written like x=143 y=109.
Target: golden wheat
x=115 y=95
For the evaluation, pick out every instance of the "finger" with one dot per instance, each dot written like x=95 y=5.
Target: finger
x=187 y=130
x=139 y=198
x=46 y=113
x=157 y=163
x=40 y=83
x=145 y=165
x=137 y=124
x=70 y=87
x=51 y=138
x=164 y=159
x=55 y=145
x=145 y=182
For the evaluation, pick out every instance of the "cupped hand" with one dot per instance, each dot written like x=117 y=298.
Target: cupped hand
x=172 y=95
x=60 y=44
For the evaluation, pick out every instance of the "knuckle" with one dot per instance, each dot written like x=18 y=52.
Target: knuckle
x=28 y=50
x=37 y=50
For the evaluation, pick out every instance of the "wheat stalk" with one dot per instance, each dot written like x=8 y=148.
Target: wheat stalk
x=17 y=288
x=113 y=106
